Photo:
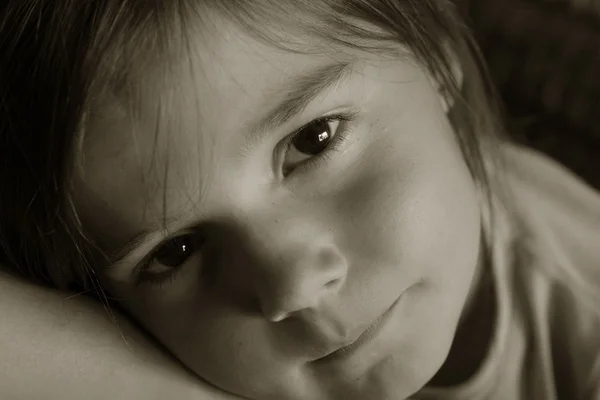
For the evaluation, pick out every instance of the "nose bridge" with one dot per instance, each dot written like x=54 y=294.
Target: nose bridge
x=296 y=264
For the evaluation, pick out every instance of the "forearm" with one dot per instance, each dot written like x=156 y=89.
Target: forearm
x=54 y=347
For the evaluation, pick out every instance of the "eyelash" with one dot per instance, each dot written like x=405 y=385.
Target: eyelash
x=162 y=279
x=341 y=134
x=156 y=280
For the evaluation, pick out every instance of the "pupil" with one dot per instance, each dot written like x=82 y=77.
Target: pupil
x=175 y=252
x=314 y=138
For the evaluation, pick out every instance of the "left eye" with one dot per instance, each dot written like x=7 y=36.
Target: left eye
x=177 y=250
x=169 y=257
x=314 y=141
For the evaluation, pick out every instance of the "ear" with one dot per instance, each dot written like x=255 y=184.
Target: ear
x=446 y=95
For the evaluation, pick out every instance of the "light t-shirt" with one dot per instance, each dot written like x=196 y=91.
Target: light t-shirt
x=546 y=276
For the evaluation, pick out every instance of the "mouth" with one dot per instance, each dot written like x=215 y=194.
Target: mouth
x=367 y=336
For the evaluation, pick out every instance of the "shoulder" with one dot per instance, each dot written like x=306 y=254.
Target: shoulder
x=556 y=221
x=558 y=213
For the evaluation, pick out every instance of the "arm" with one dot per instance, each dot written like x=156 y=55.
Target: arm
x=55 y=347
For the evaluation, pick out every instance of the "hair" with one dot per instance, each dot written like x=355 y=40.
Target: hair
x=58 y=58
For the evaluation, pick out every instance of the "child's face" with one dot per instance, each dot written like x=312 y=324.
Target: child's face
x=294 y=266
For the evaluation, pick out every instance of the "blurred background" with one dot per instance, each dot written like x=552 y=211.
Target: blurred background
x=544 y=56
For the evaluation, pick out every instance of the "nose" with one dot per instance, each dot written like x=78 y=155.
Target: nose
x=290 y=261
x=299 y=279
x=276 y=258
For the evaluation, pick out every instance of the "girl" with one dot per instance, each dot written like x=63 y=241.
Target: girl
x=298 y=200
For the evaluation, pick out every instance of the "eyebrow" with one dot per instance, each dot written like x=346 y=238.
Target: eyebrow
x=300 y=92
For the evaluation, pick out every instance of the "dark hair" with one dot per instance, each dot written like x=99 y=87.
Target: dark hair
x=58 y=57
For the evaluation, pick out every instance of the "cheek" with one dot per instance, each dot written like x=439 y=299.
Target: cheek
x=414 y=217
x=414 y=207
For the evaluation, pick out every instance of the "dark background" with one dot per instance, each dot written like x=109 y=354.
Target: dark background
x=544 y=56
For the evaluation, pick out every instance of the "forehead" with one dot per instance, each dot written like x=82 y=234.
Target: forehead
x=224 y=71
x=235 y=71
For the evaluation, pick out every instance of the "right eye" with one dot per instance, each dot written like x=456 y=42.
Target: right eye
x=315 y=141
x=169 y=257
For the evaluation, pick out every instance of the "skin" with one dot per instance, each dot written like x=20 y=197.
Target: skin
x=292 y=267
x=72 y=350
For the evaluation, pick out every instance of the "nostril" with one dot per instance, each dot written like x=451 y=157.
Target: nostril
x=274 y=315
x=279 y=307
x=334 y=284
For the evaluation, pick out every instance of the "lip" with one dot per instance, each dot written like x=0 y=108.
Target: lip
x=367 y=336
